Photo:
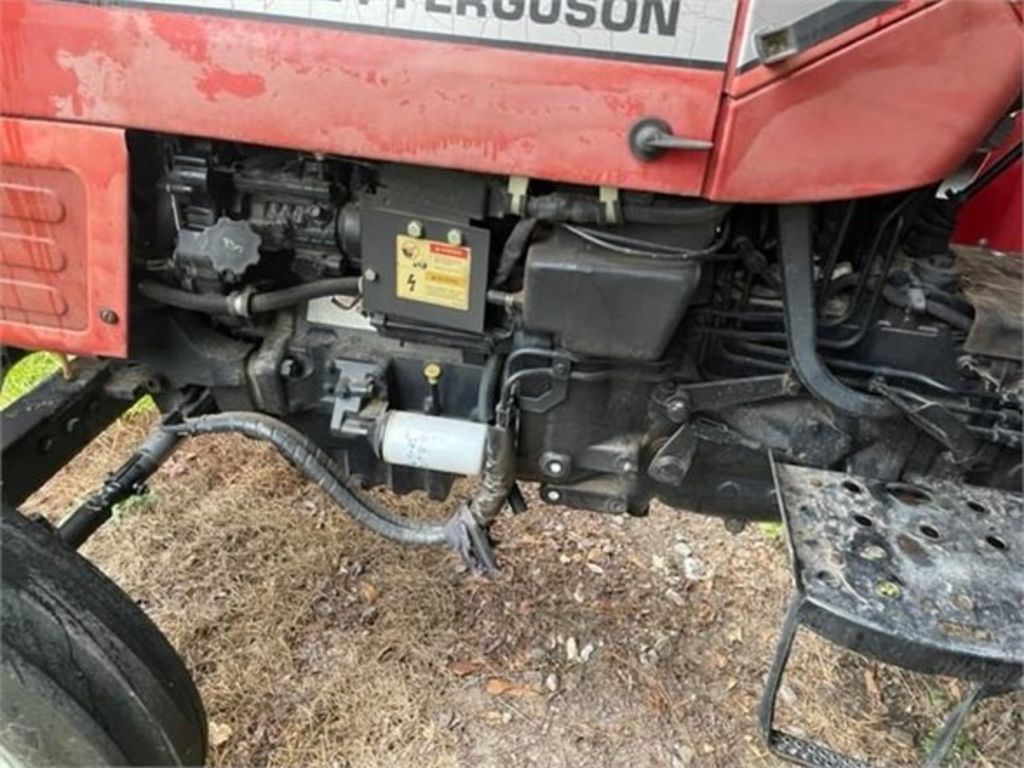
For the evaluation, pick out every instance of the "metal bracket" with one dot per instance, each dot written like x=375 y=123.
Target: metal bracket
x=671 y=463
x=933 y=419
x=43 y=430
x=609 y=198
x=357 y=384
x=686 y=399
x=561 y=369
x=518 y=188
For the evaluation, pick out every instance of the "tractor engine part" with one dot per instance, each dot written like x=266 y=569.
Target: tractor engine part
x=431 y=442
x=629 y=252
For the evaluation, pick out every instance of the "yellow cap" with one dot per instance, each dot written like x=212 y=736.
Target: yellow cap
x=432 y=372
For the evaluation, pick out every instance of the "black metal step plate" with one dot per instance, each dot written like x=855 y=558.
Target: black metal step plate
x=929 y=577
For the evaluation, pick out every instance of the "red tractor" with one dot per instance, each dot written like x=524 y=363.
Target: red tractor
x=750 y=258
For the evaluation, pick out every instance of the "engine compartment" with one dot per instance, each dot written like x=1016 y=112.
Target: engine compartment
x=635 y=346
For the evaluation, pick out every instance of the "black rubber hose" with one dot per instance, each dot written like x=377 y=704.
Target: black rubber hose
x=515 y=248
x=208 y=303
x=316 y=465
x=242 y=304
x=936 y=309
x=671 y=214
x=577 y=209
x=287 y=297
x=485 y=392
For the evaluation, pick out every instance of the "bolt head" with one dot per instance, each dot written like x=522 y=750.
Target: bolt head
x=734 y=525
x=109 y=316
x=553 y=496
x=370 y=275
x=454 y=237
x=432 y=373
x=890 y=590
x=668 y=470
x=414 y=228
x=677 y=409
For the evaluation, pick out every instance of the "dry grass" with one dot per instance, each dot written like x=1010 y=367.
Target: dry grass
x=315 y=643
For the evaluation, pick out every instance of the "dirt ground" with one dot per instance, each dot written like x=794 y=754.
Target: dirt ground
x=604 y=641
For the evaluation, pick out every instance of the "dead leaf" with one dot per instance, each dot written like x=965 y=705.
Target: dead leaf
x=464 y=668
x=500 y=686
x=219 y=733
x=368 y=592
x=497 y=686
x=872 y=685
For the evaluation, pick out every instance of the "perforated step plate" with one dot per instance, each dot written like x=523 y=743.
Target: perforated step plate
x=927 y=577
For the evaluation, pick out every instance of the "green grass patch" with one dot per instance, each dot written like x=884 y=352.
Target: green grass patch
x=26 y=374
x=33 y=369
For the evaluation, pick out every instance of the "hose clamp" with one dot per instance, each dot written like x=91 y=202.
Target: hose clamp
x=239 y=302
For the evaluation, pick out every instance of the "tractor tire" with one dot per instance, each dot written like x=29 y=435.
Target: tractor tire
x=85 y=677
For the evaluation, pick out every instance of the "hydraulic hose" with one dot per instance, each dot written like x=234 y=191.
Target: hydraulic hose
x=465 y=530
x=245 y=303
x=936 y=309
x=317 y=466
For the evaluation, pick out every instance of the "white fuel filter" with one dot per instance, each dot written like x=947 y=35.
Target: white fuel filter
x=433 y=442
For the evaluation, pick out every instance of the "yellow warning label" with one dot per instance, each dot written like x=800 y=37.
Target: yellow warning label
x=432 y=272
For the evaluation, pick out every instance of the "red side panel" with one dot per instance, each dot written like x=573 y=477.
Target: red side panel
x=431 y=102
x=745 y=76
x=900 y=108
x=63 y=237
x=995 y=216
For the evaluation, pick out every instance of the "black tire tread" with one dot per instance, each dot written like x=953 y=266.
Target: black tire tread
x=62 y=616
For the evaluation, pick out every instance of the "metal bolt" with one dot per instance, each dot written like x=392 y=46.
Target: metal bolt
x=626 y=466
x=552 y=495
x=555 y=464
x=617 y=507
x=669 y=470
x=678 y=408
x=454 y=237
x=109 y=316
x=370 y=275
x=734 y=525
x=888 y=589
x=432 y=373
x=414 y=228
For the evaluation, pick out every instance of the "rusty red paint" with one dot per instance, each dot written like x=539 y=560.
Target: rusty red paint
x=215 y=81
x=436 y=103
x=856 y=120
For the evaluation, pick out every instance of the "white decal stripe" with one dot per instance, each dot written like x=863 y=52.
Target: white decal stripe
x=677 y=31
